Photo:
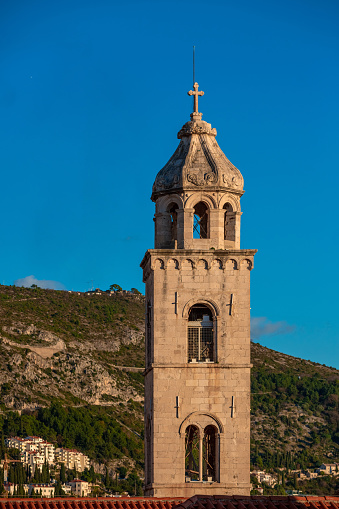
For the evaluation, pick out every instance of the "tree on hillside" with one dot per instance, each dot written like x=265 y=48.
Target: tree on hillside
x=59 y=492
x=122 y=472
x=115 y=288
x=62 y=473
x=135 y=291
x=92 y=474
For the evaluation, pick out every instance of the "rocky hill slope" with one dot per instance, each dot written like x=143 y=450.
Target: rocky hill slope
x=69 y=346
x=72 y=363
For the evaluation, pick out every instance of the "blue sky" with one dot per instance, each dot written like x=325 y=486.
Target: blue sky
x=92 y=95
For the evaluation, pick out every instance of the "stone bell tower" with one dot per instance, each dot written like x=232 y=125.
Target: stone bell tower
x=197 y=377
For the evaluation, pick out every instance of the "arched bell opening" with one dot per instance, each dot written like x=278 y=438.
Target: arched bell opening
x=209 y=455
x=201 y=221
x=200 y=332
x=172 y=209
x=229 y=222
x=201 y=454
x=192 y=453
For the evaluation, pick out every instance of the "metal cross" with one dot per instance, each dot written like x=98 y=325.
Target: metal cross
x=196 y=94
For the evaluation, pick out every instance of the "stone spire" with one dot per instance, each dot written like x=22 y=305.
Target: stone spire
x=198 y=164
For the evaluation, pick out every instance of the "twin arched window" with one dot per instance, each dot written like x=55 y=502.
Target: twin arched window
x=201 y=344
x=201 y=451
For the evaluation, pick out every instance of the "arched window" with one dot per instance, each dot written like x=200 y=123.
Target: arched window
x=201 y=453
x=229 y=225
x=200 y=334
x=200 y=224
x=172 y=209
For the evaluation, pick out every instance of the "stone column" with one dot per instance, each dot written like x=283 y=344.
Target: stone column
x=232 y=230
x=217 y=228
x=201 y=437
x=237 y=229
x=217 y=457
x=185 y=228
x=163 y=233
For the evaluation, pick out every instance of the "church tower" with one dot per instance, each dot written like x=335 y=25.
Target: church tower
x=197 y=376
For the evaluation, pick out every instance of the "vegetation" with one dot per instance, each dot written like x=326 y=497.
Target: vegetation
x=67 y=314
x=92 y=430
x=295 y=405
x=88 y=396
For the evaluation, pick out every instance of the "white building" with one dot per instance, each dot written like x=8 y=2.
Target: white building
x=72 y=459
x=33 y=459
x=45 y=490
x=329 y=468
x=32 y=444
x=79 y=488
x=264 y=477
x=16 y=443
x=10 y=487
x=35 y=451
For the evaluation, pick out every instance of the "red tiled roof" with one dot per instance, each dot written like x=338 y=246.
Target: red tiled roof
x=90 y=503
x=259 y=502
x=196 y=502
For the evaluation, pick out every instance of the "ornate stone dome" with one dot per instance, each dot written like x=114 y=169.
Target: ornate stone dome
x=198 y=163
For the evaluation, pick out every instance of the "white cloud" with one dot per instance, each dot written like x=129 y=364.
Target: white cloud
x=42 y=283
x=262 y=326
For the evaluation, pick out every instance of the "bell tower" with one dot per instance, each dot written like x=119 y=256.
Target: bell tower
x=197 y=376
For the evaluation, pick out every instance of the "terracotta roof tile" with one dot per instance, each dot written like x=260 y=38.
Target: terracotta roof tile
x=196 y=502
x=259 y=502
x=91 y=503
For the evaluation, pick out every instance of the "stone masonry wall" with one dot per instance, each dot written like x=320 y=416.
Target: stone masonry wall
x=217 y=393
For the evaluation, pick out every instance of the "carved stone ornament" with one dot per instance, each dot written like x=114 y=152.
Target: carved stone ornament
x=202 y=179
x=230 y=181
x=196 y=128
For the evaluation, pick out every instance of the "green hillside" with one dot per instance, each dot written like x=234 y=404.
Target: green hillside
x=72 y=373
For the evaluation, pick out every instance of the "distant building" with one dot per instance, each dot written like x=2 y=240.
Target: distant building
x=79 y=488
x=329 y=468
x=34 y=460
x=46 y=490
x=35 y=451
x=66 y=489
x=263 y=476
x=72 y=459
